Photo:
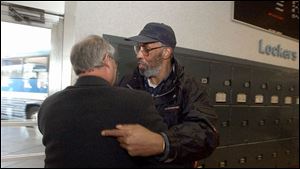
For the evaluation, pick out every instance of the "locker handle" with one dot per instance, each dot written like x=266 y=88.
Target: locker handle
x=262 y=122
x=287 y=152
x=264 y=86
x=274 y=155
x=243 y=160
x=245 y=123
x=223 y=164
x=278 y=87
x=204 y=80
x=227 y=83
x=225 y=123
x=290 y=120
x=259 y=157
x=247 y=84
x=276 y=121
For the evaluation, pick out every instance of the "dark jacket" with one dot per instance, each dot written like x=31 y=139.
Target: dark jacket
x=184 y=105
x=71 y=121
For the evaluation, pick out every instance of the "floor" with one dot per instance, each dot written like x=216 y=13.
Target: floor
x=21 y=140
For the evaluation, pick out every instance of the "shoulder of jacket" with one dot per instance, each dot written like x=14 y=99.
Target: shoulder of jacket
x=133 y=92
x=191 y=83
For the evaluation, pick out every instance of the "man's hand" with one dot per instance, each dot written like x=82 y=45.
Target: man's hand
x=137 y=140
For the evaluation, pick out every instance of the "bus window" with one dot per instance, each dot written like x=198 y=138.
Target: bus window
x=25 y=52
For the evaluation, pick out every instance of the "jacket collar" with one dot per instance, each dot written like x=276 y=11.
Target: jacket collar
x=91 y=81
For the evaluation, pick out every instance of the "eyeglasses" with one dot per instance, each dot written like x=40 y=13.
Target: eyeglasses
x=145 y=51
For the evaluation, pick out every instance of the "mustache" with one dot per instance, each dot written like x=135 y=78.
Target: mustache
x=141 y=62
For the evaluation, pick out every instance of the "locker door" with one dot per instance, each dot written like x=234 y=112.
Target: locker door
x=240 y=157
x=221 y=158
x=276 y=89
x=127 y=60
x=221 y=81
x=224 y=124
x=289 y=89
x=295 y=153
x=289 y=153
x=259 y=124
x=296 y=117
x=259 y=87
x=295 y=121
x=241 y=85
x=195 y=67
x=240 y=125
x=273 y=122
x=261 y=155
x=295 y=104
x=288 y=122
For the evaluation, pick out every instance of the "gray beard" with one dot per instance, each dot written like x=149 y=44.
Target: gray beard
x=150 y=72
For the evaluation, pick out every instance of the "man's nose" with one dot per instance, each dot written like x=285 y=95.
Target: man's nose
x=139 y=55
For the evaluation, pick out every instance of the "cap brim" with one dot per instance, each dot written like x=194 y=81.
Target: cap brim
x=141 y=39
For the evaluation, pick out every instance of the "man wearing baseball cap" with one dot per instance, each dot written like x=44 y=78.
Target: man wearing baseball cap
x=180 y=100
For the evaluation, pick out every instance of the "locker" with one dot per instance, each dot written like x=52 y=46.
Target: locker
x=195 y=67
x=221 y=82
x=296 y=117
x=220 y=158
x=274 y=156
x=127 y=60
x=295 y=104
x=224 y=124
x=259 y=87
x=241 y=157
x=240 y=125
x=276 y=88
x=260 y=155
x=260 y=124
x=295 y=153
x=241 y=85
x=289 y=89
x=288 y=153
x=289 y=122
x=295 y=95
x=274 y=123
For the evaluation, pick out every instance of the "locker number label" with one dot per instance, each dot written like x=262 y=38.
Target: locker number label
x=259 y=98
x=241 y=98
x=220 y=97
x=274 y=99
x=288 y=100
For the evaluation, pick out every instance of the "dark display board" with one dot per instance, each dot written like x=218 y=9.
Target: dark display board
x=280 y=17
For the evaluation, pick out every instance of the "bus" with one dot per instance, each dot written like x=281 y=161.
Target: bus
x=23 y=87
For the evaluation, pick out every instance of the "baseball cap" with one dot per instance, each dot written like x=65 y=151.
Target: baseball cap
x=156 y=32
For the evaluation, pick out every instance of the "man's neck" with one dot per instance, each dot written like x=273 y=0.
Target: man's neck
x=163 y=74
x=98 y=72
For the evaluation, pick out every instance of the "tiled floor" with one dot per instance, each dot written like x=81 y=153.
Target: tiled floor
x=21 y=140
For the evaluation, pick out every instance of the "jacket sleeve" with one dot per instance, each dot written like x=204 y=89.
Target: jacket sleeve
x=196 y=136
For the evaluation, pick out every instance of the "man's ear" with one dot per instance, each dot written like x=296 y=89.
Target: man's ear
x=105 y=61
x=167 y=53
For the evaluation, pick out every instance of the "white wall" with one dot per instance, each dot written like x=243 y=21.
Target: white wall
x=203 y=26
